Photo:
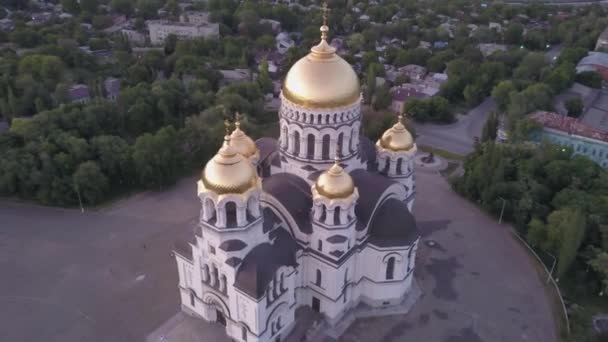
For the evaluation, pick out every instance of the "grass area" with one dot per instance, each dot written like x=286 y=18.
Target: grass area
x=441 y=153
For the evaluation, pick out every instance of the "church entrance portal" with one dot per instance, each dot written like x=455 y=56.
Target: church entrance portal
x=316 y=304
x=220 y=317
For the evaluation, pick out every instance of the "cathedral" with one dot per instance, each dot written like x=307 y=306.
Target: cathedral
x=319 y=218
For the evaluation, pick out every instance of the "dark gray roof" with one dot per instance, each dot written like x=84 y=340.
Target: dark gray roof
x=336 y=238
x=233 y=261
x=393 y=225
x=294 y=194
x=183 y=248
x=270 y=218
x=261 y=263
x=266 y=146
x=232 y=245
x=367 y=152
x=371 y=186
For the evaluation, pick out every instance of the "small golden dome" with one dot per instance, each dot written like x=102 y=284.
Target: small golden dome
x=397 y=138
x=322 y=79
x=335 y=183
x=241 y=142
x=228 y=171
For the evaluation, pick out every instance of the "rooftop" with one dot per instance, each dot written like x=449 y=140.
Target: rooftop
x=569 y=125
x=595 y=58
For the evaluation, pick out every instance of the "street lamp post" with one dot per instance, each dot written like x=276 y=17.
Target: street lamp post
x=502 y=211
x=552 y=266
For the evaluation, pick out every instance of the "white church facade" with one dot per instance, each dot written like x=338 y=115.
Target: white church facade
x=320 y=217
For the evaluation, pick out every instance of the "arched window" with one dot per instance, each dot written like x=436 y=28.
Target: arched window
x=399 y=162
x=326 y=147
x=297 y=116
x=320 y=246
x=319 y=118
x=282 y=283
x=296 y=137
x=304 y=117
x=337 y=215
x=327 y=119
x=386 y=166
x=340 y=144
x=318 y=278
x=285 y=136
x=310 y=149
x=230 y=214
x=390 y=268
x=335 y=117
x=192 y=302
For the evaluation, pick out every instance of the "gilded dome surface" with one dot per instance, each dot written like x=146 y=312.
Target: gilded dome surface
x=397 y=138
x=335 y=183
x=242 y=143
x=229 y=172
x=322 y=79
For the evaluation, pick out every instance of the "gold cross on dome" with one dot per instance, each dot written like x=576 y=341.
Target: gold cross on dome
x=325 y=11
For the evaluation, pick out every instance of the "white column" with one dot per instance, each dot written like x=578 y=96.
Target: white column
x=343 y=215
x=221 y=217
x=241 y=219
x=332 y=148
x=254 y=208
x=291 y=143
x=329 y=217
x=346 y=144
x=303 y=146
x=283 y=136
x=318 y=147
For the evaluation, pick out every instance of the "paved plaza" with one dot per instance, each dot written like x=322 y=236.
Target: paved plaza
x=108 y=275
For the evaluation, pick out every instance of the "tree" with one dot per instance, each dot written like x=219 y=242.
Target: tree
x=370 y=86
x=122 y=6
x=572 y=225
x=531 y=67
x=382 y=98
x=514 y=34
x=561 y=78
x=89 y=5
x=114 y=155
x=574 y=107
x=490 y=128
x=590 y=79
x=157 y=157
x=70 y=6
x=501 y=94
x=90 y=183
x=264 y=80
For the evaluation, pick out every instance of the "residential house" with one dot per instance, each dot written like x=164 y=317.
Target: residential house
x=490 y=48
x=495 y=26
x=79 y=93
x=161 y=29
x=568 y=131
x=194 y=17
x=413 y=71
x=401 y=95
x=602 y=40
x=595 y=61
x=236 y=75
x=284 y=42
x=6 y=25
x=275 y=25
x=134 y=37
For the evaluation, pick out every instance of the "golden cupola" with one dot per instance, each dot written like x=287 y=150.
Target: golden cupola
x=322 y=79
x=335 y=183
x=243 y=144
x=397 y=138
x=229 y=171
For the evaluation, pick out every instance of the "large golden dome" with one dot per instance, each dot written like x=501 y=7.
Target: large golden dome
x=241 y=142
x=397 y=138
x=335 y=183
x=322 y=79
x=229 y=172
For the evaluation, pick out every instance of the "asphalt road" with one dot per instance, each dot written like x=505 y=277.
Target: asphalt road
x=457 y=137
x=108 y=275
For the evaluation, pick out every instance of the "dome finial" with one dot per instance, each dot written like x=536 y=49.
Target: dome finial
x=324 y=28
x=237 y=120
x=227 y=129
